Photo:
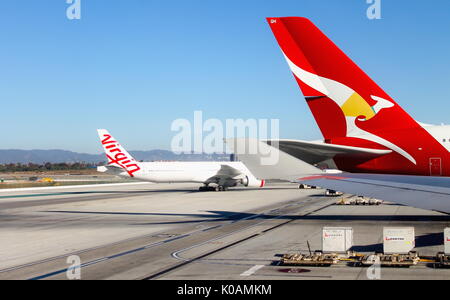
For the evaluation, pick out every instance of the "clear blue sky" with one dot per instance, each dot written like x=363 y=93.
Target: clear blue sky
x=134 y=66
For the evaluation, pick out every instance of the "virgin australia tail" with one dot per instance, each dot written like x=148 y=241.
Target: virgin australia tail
x=116 y=154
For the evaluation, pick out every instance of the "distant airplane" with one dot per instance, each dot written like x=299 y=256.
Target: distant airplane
x=364 y=129
x=220 y=175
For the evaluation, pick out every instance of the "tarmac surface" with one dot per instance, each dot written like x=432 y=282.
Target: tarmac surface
x=173 y=231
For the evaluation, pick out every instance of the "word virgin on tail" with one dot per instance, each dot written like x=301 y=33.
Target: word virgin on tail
x=119 y=157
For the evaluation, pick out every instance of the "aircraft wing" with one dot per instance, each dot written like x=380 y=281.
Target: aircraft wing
x=317 y=152
x=228 y=171
x=225 y=174
x=426 y=192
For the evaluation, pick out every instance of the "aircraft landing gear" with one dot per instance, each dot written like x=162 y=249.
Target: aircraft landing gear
x=222 y=188
x=205 y=188
x=218 y=188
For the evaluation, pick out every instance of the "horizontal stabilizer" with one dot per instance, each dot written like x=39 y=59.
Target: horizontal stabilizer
x=317 y=152
x=113 y=170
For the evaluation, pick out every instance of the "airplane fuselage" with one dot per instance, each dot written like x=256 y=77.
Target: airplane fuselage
x=222 y=173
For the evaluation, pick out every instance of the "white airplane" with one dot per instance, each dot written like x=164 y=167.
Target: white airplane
x=221 y=175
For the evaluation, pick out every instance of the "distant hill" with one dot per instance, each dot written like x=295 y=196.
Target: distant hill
x=60 y=156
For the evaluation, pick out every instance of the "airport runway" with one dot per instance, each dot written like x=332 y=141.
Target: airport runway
x=145 y=231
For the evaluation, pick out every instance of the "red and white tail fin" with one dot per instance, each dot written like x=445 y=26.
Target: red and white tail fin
x=337 y=91
x=116 y=154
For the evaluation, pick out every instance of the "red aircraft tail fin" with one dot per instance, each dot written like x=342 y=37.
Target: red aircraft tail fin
x=336 y=89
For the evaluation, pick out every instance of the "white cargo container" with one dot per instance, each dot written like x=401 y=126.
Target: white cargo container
x=337 y=239
x=447 y=241
x=398 y=240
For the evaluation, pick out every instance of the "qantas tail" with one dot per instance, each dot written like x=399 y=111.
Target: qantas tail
x=116 y=154
x=344 y=101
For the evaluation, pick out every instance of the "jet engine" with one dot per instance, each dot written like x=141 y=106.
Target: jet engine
x=252 y=182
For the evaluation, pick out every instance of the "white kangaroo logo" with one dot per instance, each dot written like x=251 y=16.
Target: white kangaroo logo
x=352 y=105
